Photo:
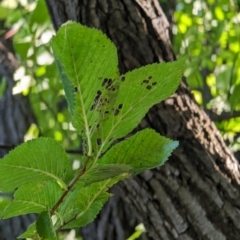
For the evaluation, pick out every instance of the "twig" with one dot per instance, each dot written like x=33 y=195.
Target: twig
x=70 y=186
x=223 y=116
x=65 y=223
x=8 y=147
x=35 y=236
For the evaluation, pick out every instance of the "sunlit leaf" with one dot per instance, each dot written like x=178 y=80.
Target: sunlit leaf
x=34 y=161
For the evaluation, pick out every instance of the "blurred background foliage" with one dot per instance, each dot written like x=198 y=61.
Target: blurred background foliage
x=28 y=24
x=206 y=31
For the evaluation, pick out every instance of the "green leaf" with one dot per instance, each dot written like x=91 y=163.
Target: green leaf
x=145 y=150
x=33 y=198
x=45 y=227
x=37 y=160
x=68 y=88
x=102 y=172
x=83 y=204
x=84 y=56
x=139 y=90
x=30 y=232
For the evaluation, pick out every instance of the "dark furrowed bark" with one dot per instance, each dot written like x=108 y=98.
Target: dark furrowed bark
x=195 y=195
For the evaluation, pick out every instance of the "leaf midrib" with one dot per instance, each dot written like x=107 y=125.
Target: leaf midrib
x=87 y=129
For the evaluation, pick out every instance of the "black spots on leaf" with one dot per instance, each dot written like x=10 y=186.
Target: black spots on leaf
x=107 y=83
x=112 y=88
x=148 y=83
x=120 y=106
x=99 y=141
x=116 y=112
x=105 y=80
x=96 y=99
x=123 y=78
x=98 y=125
x=103 y=101
x=110 y=81
x=75 y=89
x=145 y=81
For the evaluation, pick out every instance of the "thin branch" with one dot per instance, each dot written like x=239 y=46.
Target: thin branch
x=74 y=151
x=35 y=236
x=70 y=186
x=65 y=223
x=223 y=116
x=64 y=195
x=7 y=147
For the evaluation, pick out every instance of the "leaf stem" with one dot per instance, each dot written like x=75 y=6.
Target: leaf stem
x=65 y=223
x=35 y=236
x=70 y=186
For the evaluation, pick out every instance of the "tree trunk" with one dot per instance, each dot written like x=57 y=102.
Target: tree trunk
x=196 y=194
x=15 y=119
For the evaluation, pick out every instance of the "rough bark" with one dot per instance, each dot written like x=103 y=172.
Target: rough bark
x=195 y=195
x=15 y=119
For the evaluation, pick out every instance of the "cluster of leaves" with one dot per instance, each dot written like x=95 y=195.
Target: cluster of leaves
x=104 y=108
x=208 y=33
